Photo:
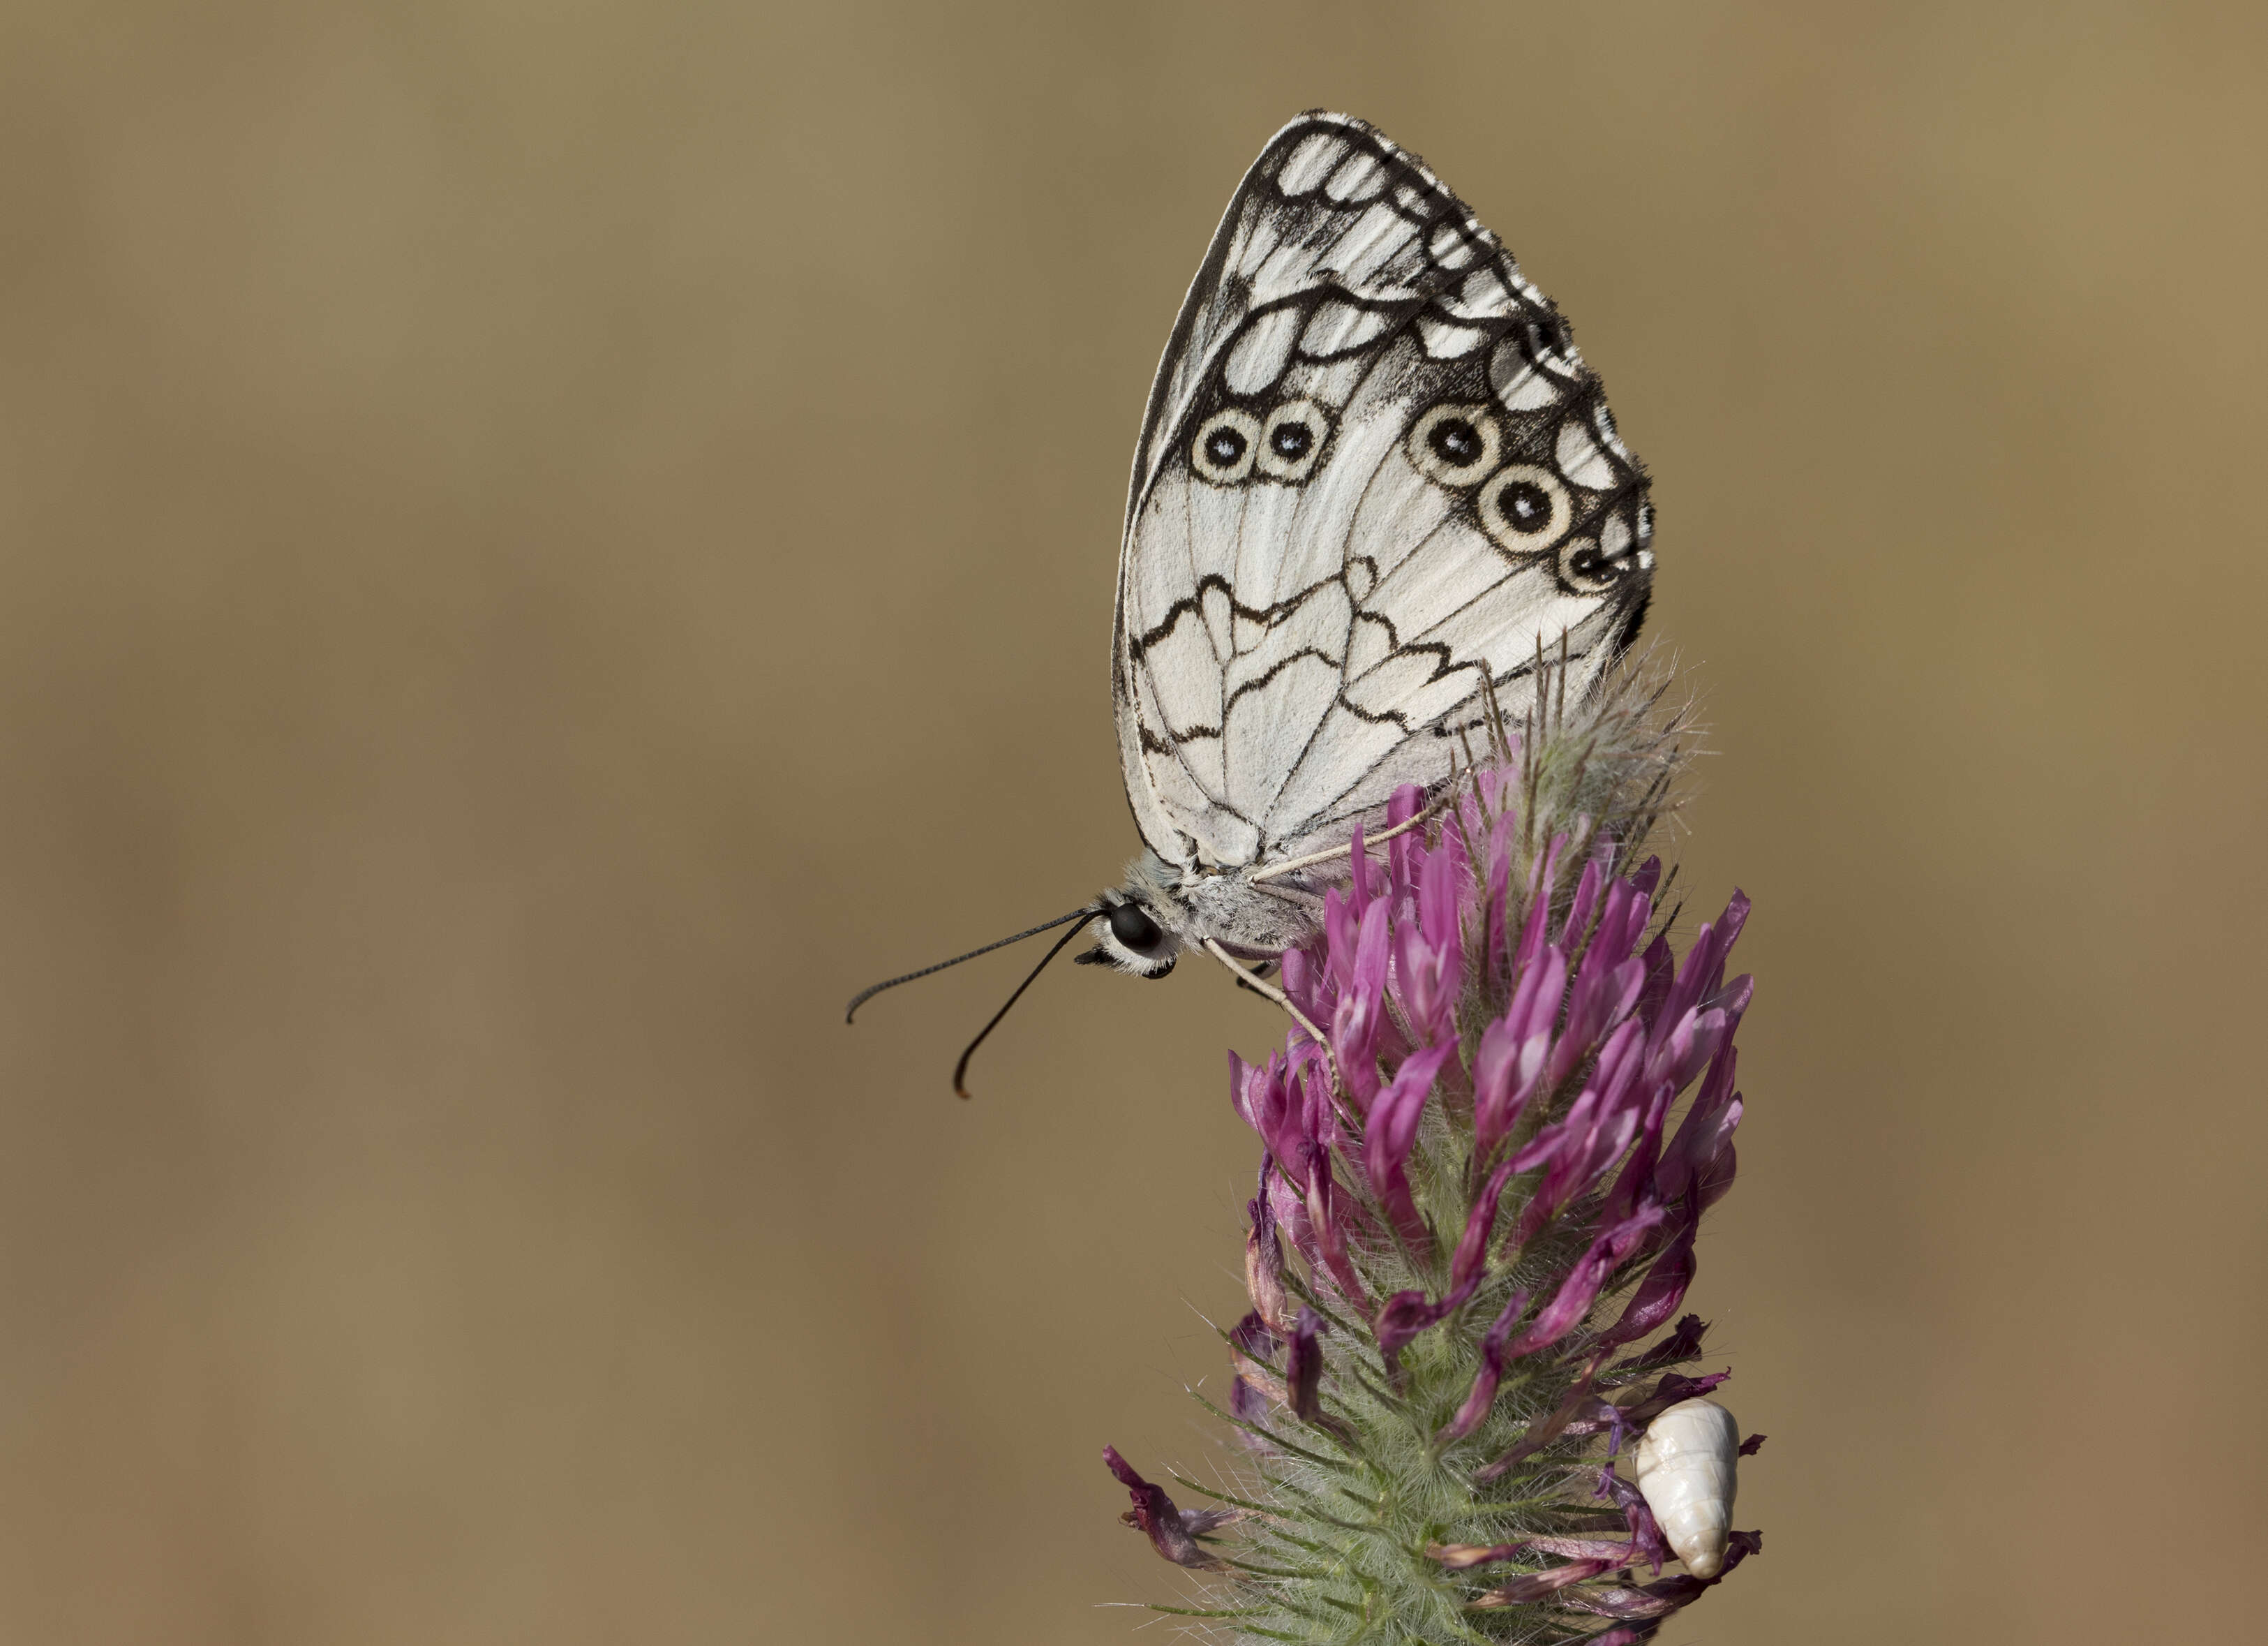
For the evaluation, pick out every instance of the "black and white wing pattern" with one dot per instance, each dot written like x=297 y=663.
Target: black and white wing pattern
x=1373 y=470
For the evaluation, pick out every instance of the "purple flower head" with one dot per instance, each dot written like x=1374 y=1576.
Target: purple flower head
x=1521 y=1104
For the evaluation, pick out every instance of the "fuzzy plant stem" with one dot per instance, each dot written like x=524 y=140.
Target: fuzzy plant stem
x=1474 y=1221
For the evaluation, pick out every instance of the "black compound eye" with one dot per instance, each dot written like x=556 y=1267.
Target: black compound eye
x=1132 y=925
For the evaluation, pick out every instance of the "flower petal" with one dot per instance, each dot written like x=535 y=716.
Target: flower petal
x=1645 y=1532
x=1303 y=1366
x=1390 y=1134
x=1581 y=1289
x=1682 y=1345
x=1658 y=1295
x=1482 y=1395
x=1154 y=1516
x=1536 y=1585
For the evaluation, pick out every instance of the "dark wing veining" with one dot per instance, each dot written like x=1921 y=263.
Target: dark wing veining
x=1373 y=470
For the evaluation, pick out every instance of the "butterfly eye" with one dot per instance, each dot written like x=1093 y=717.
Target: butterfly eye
x=1132 y=925
x=1292 y=439
x=1524 y=508
x=1225 y=444
x=1455 y=445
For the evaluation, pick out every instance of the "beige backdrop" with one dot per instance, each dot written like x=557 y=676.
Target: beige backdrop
x=544 y=544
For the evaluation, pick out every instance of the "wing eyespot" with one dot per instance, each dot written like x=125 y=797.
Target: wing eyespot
x=1526 y=509
x=1225 y=444
x=1585 y=567
x=1456 y=445
x=1403 y=306
x=1292 y=439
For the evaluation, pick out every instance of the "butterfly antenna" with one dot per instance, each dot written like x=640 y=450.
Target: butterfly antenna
x=865 y=995
x=960 y=1069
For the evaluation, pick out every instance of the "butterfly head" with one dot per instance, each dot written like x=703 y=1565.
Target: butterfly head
x=1136 y=928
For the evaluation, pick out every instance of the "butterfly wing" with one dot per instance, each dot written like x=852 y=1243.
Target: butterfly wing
x=1373 y=471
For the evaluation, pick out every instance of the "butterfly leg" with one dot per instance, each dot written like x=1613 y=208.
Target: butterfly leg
x=1338 y=854
x=1248 y=978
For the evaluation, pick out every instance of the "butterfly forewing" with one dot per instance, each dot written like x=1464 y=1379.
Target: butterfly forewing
x=1373 y=470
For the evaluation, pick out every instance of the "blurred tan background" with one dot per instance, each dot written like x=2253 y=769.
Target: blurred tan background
x=541 y=546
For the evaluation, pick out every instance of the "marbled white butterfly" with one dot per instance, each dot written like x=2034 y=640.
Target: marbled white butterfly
x=1375 y=486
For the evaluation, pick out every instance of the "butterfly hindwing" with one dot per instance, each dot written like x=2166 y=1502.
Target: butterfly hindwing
x=1373 y=470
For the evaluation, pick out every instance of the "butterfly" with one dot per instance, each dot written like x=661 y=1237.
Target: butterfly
x=1376 y=487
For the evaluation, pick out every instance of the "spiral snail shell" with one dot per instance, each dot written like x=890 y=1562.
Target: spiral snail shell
x=1686 y=1467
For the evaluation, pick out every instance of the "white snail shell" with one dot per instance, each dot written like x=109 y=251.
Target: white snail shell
x=1686 y=1467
